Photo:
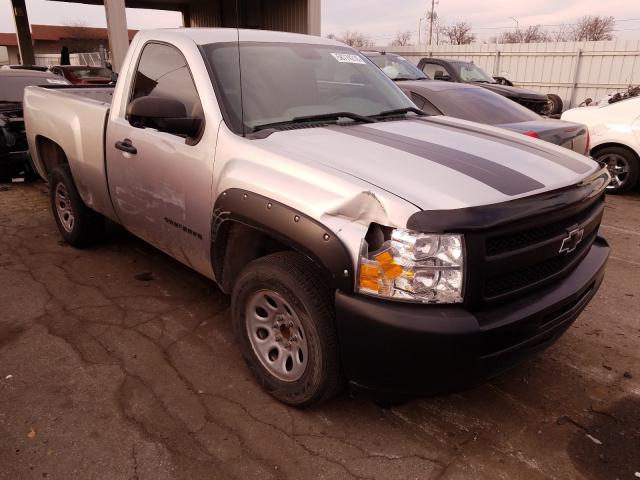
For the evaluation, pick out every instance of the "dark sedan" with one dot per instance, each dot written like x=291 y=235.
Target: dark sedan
x=469 y=102
x=14 y=151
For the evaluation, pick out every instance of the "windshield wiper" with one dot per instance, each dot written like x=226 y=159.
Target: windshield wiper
x=409 y=79
x=316 y=118
x=401 y=111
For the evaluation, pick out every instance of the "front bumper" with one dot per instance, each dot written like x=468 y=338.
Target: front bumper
x=416 y=349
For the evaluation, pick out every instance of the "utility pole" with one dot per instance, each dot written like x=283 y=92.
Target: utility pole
x=433 y=6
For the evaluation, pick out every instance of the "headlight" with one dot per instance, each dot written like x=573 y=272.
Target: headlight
x=414 y=266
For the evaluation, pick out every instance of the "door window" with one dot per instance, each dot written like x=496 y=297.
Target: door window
x=163 y=72
x=431 y=68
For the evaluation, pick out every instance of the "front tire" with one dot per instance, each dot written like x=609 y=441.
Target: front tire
x=623 y=166
x=283 y=317
x=554 y=105
x=79 y=225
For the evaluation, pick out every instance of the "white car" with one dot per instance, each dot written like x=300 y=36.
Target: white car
x=615 y=139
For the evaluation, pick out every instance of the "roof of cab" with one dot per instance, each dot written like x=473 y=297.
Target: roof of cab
x=204 y=36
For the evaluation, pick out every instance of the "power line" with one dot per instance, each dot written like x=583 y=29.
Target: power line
x=386 y=36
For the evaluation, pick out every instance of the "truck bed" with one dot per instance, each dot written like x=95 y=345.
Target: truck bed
x=102 y=94
x=73 y=118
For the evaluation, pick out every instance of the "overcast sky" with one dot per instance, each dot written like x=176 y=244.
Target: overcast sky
x=379 y=19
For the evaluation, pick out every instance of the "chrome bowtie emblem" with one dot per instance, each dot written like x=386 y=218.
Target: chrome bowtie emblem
x=572 y=240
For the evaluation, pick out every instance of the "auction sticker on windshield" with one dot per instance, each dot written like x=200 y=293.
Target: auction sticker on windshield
x=348 y=58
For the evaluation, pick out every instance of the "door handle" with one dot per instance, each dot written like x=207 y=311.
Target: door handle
x=126 y=146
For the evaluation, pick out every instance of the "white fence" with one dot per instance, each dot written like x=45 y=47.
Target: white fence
x=49 y=59
x=573 y=70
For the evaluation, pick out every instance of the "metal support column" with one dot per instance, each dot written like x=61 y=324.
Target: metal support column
x=25 y=46
x=117 y=30
x=186 y=17
x=576 y=74
x=313 y=17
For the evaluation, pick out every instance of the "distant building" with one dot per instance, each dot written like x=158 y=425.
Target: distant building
x=49 y=39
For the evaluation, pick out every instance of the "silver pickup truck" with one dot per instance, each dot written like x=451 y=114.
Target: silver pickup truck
x=360 y=240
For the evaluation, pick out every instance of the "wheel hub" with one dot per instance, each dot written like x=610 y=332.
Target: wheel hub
x=276 y=335
x=618 y=168
x=63 y=208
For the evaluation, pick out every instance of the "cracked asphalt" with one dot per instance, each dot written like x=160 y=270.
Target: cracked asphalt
x=119 y=363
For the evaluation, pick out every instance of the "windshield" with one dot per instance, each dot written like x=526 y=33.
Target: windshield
x=482 y=106
x=282 y=82
x=397 y=67
x=13 y=86
x=96 y=72
x=472 y=73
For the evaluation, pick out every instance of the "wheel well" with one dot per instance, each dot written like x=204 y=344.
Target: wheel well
x=236 y=245
x=602 y=146
x=50 y=153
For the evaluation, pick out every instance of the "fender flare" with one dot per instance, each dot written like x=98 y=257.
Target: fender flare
x=285 y=224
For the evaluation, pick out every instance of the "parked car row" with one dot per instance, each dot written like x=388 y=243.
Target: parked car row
x=471 y=101
x=610 y=133
x=459 y=89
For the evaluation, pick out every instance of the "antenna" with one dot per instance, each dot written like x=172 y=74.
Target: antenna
x=240 y=67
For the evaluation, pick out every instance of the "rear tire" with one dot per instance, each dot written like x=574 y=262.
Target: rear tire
x=283 y=317
x=623 y=165
x=79 y=225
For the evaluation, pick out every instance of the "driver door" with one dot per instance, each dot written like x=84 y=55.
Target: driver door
x=160 y=181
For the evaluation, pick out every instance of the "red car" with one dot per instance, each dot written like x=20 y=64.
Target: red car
x=84 y=75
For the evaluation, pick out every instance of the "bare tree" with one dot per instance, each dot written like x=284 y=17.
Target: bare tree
x=402 y=39
x=561 y=34
x=532 y=34
x=353 y=39
x=594 y=28
x=459 y=33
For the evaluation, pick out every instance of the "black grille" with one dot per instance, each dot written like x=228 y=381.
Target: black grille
x=523 y=238
x=513 y=259
x=530 y=275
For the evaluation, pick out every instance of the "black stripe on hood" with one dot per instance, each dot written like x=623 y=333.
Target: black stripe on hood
x=564 y=160
x=492 y=174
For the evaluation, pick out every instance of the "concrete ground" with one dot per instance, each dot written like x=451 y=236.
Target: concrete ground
x=119 y=363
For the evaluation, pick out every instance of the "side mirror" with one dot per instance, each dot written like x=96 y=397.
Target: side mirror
x=164 y=114
x=114 y=77
x=440 y=75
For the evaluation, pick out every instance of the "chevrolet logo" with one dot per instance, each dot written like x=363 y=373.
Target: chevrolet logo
x=571 y=242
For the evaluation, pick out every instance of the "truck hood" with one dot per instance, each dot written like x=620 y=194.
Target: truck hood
x=436 y=162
